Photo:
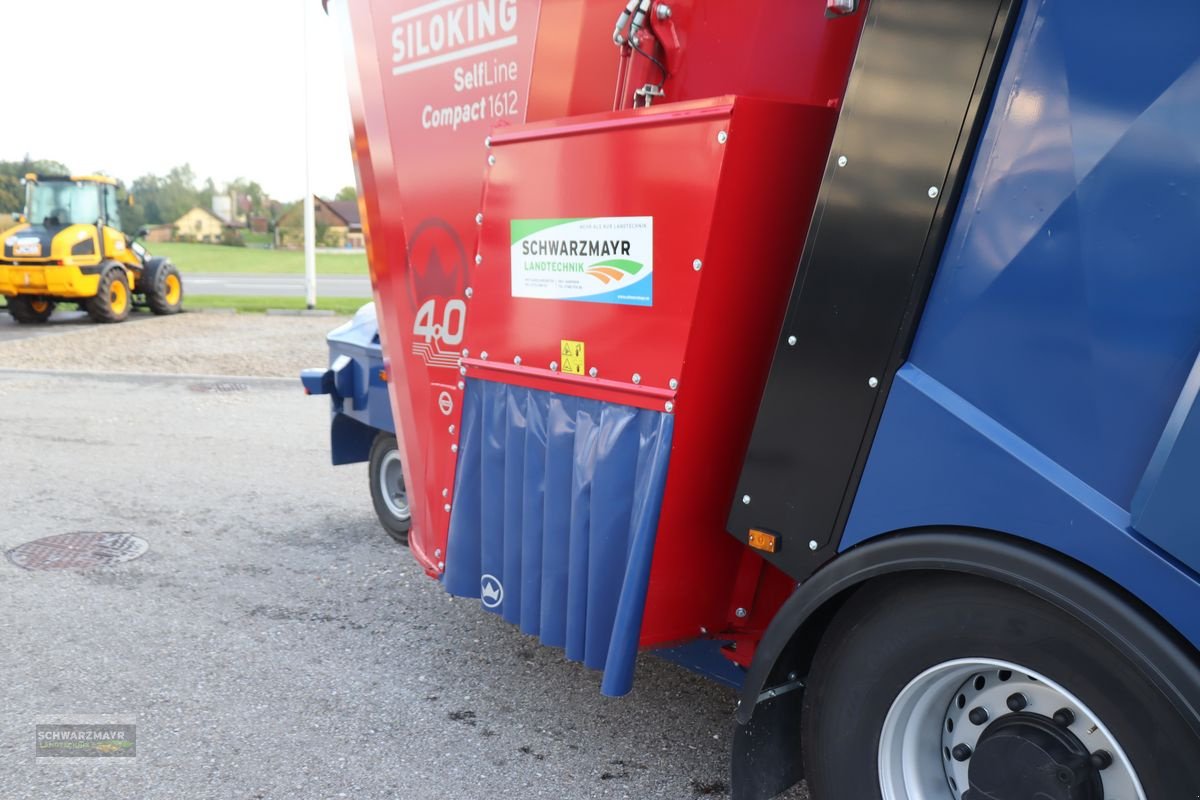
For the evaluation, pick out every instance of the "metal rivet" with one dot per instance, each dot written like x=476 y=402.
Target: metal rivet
x=445 y=492
x=791 y=341
x=637 y=378
x=441 y=566
x=517 y=360
x=697 y=264
x=843 y=161
x=478 y=259
x=669 y=406
x=469 y=292
x=873 y=382
x=466 y=352
x=593 y=372
x=437 y=553
x=933 y=192
x=740 y=613
x=487 y=141
x=492 y=160
x=673 y=384
x=447 y=506
x=462 y=370
x=461 y=386
x=745 y=499
x=453 y=448
x=703 y=631
x=483 y=355
x=479 y=218
x=451 y=430
x=812 y=544
x=722 y=137
x=554 y=366
x=663 y=11
x=961 y=752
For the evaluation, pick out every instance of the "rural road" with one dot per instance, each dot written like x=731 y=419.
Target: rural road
x=273 y=643
x=274 y=285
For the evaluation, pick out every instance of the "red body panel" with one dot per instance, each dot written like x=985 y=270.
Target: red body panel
x=741 y=207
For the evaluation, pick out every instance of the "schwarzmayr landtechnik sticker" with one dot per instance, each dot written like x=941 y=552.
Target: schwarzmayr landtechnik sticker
x=593 y=259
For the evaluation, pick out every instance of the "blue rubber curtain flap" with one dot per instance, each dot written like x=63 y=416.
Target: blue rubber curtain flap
x=555 y=512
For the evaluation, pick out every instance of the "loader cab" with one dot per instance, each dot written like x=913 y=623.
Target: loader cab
x=55 y=202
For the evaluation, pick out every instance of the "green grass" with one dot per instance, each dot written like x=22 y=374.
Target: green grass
x=219 y=258
x=339 y=305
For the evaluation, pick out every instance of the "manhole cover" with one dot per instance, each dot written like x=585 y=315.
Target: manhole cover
x=221 y=387
x=78 y=551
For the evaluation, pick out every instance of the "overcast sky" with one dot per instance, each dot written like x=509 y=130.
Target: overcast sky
x=129 y=87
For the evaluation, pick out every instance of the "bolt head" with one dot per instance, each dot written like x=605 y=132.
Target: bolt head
x=934 y=192
x=961 y=752
x=791 y=341
x=978 y=715
x=554 y=366
x=446 y=507
x=483 y=355
x=873 y=382
x=445 y=492
x=478 y=259
x=722 y=137
x=812 y=544
x=745 y=499
x=1064 y=718
x=479 y=218
x=466 y=352
x=673 y=384
x=452 y=429
x=462 y=370
x=453 y=448
x=741 y=613
x=487 y=141
x=663 y=11
x=492 y=161
x=441 y=566
x=461 y=386
x=637 y=378
x=469 y=292
x=697 y=264
x=1016 y=702
x=1101 y=760
x=517 y=360
x=669 y=406
x=593 y=372
x=843 y=161
x=437 y=553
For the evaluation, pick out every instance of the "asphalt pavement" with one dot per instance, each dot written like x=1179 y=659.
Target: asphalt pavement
x=272 y=641
x=274 y=285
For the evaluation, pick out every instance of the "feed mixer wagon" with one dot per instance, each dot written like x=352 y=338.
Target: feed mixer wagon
x=843 y=351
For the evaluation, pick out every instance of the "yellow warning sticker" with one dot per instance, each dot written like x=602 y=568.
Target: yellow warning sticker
x=572 y=357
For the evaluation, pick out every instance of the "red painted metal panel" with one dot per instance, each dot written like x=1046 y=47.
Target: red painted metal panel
x=729 y=184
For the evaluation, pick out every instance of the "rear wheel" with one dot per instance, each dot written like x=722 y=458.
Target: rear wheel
x=162 y=285
x=29 y=310
x=388 y=492
x=953 y=688
x=112 y=301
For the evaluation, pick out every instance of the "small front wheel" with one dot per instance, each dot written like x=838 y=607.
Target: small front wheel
x=388 y=491
x=954 y=688
x=30 y=310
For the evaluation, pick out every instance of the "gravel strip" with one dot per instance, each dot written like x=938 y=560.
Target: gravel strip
x=209 y=344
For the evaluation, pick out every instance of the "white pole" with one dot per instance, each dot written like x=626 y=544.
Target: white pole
x=310 y=220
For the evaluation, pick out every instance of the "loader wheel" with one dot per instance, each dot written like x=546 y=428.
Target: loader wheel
x=112 y=301
x=388 y=492
x=955 y=688
x=28 y=310
x=163 y=287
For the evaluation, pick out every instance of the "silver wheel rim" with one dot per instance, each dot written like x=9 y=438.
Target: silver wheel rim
x=391 y=486
x=931 y=716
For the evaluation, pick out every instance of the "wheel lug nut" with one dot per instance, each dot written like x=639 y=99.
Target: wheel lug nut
x=978 y=715
x=1101 y=760
x=961 y=752
x=1064 y=718
x=1017 y=702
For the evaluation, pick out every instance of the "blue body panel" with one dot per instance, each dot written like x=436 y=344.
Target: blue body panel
x=554 y=519
x=358 y=392
x=1065 y=316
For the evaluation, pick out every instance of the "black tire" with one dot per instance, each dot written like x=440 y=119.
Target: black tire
x=113 y=299
x=162 y=286
x=384 y=468
x=889 y=633
x=30 y=310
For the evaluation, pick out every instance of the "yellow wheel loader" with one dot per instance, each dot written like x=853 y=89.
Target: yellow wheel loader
x=68 y=247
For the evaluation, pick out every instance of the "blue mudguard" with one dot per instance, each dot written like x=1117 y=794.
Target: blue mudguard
x=556 y=505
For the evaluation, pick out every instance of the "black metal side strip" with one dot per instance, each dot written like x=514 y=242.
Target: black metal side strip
x=917 y=97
